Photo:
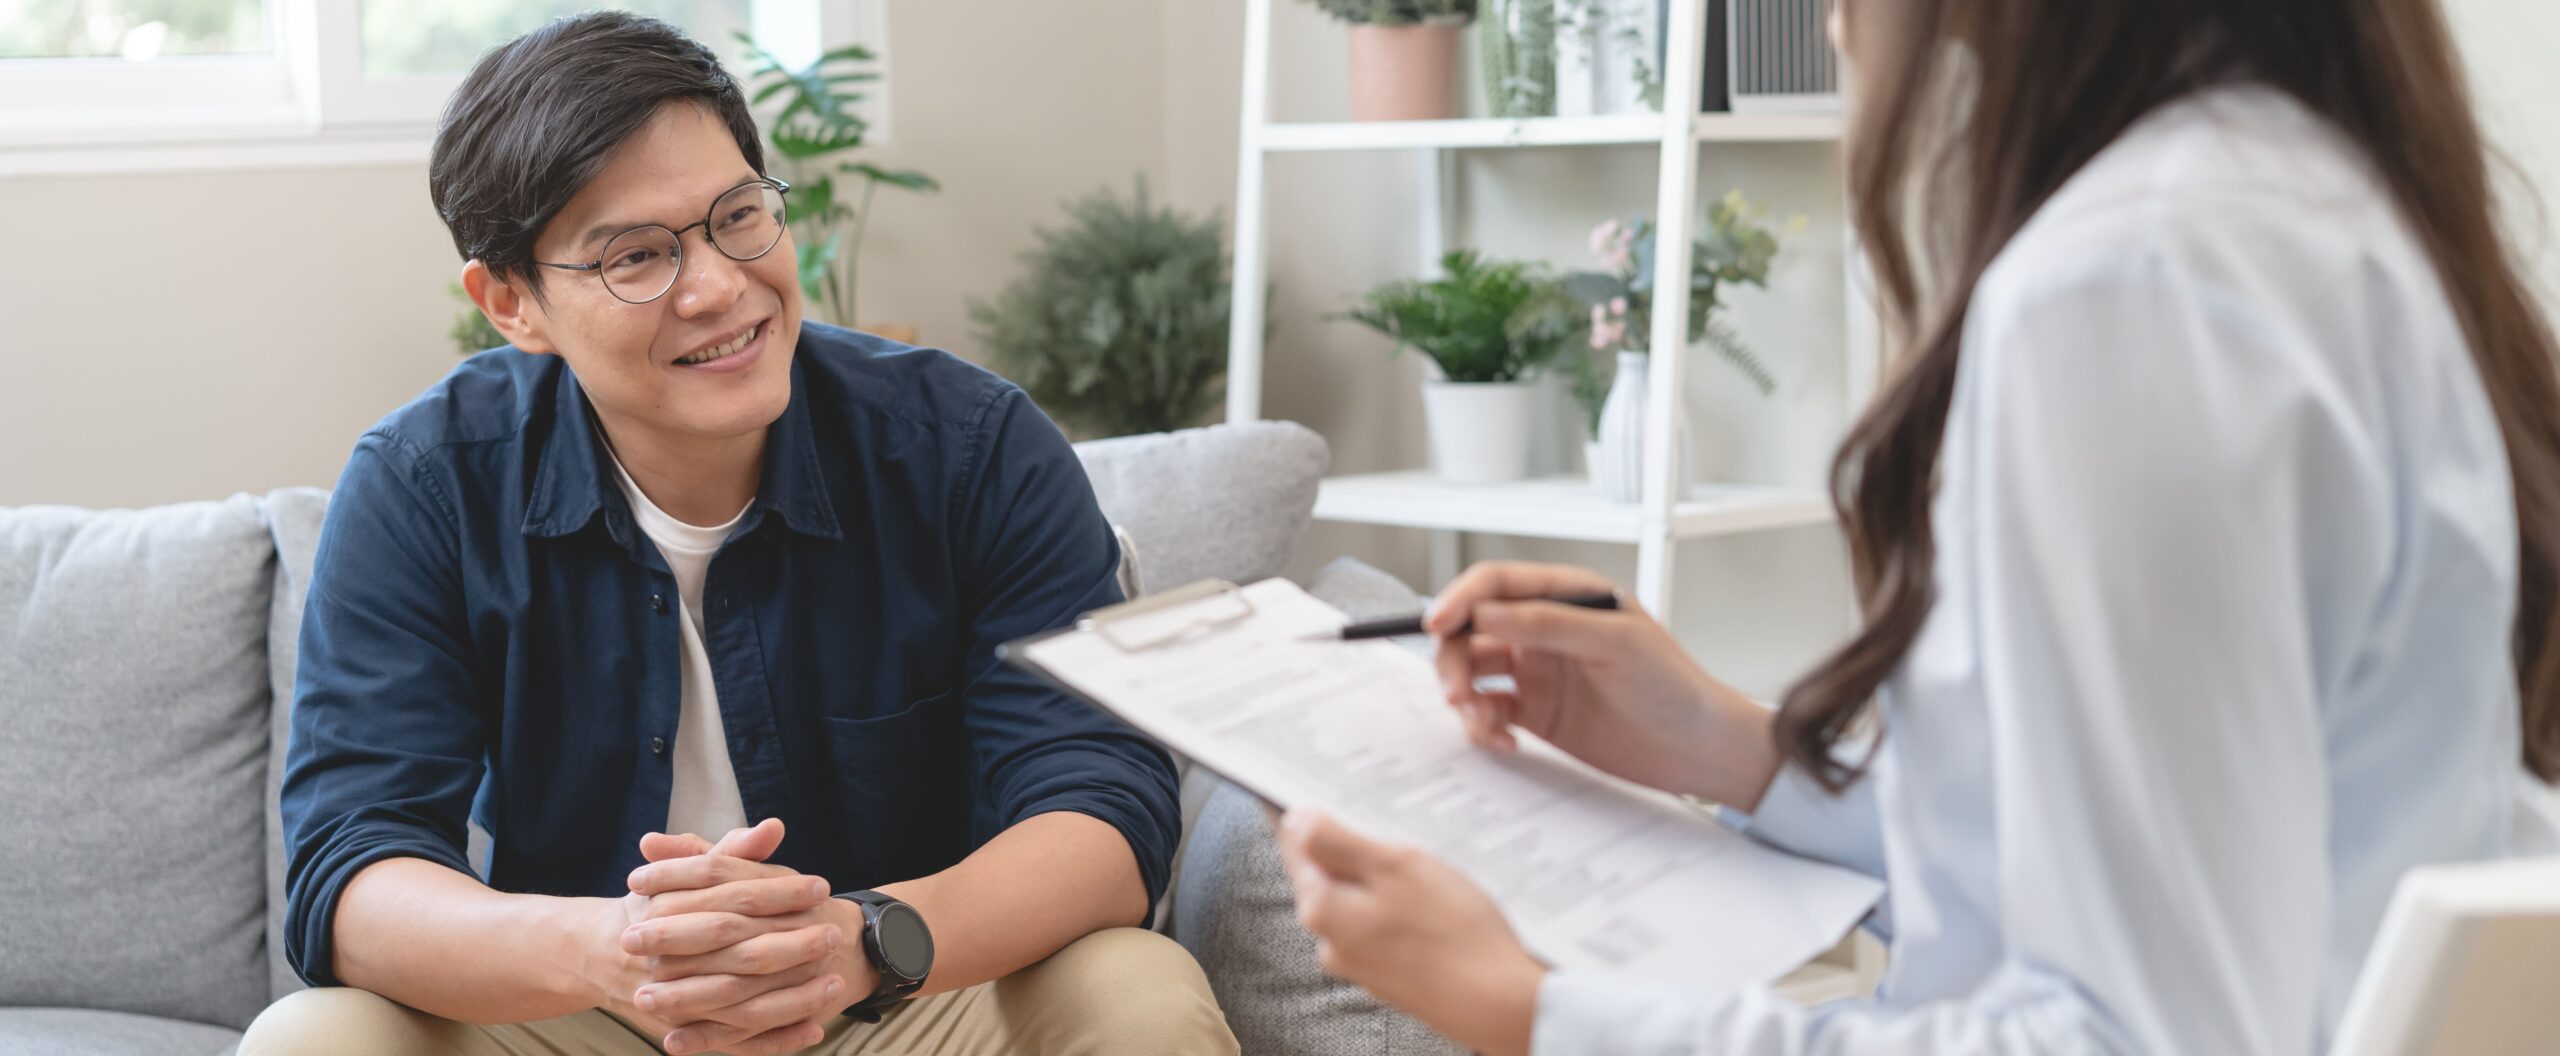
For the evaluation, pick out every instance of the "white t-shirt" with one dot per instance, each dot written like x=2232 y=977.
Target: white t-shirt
x=705 y=799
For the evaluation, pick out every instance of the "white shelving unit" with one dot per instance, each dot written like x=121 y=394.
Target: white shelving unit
x=1566 y=508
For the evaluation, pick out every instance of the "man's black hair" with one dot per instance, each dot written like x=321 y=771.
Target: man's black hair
x=538 y=117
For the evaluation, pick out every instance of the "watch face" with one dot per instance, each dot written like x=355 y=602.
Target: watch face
x=904 y=941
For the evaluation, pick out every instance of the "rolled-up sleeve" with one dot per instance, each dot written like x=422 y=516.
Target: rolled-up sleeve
x=386 y=746
x=1039 y=554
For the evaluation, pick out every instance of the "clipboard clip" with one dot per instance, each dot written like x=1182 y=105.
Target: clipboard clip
x=1148 y=623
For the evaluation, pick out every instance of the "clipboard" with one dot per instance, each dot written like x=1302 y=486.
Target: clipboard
x=1130 y=626
x=1591 y=870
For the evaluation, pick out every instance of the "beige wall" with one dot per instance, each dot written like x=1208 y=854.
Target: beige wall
x=186 y=336
x=158 y=353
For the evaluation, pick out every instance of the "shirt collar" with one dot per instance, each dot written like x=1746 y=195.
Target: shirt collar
x=569 y=488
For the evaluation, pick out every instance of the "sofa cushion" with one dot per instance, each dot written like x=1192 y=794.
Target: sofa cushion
x=133 y=748
x=293 y=522
x=1237 y=916
x=82 y=1032
x=1226 y=502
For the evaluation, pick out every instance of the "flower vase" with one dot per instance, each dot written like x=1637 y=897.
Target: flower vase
x=1617 y=456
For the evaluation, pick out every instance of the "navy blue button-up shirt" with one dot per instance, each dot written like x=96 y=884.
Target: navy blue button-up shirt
x=487 y=635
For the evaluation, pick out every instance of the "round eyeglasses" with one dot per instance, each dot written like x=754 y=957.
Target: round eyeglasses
x=640 y=265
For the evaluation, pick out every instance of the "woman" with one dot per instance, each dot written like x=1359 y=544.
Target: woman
x=2206 y=536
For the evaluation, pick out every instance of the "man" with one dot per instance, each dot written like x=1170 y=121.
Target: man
x=517 y=616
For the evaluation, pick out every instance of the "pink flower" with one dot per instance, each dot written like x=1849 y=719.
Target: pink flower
x=1618 y=306
x=1605 y=237
x=1607 y=328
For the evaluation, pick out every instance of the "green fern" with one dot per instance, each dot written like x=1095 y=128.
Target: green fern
x=1481 y=321
x=1119 y=323
x=1399 y=12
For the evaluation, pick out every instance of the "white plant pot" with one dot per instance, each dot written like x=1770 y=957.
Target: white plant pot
x=1479 y=430
x=1617 y=457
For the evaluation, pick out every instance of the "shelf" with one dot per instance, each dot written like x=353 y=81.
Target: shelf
x=1558 y=507
x=1490 y=133
x=1466 y=132
x=1769 y=128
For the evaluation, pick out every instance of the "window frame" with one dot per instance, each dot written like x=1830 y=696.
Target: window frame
x=306 y=102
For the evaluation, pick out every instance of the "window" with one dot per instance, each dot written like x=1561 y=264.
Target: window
x=138 y=30
x=108 y=85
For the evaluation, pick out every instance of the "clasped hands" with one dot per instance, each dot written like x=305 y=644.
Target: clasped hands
x=716 y=949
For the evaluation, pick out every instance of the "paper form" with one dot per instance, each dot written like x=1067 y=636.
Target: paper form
x=1591 y=871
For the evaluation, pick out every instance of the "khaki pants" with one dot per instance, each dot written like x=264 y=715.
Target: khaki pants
x=1122 y=991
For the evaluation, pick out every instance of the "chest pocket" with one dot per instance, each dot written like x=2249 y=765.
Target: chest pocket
x=905 y=780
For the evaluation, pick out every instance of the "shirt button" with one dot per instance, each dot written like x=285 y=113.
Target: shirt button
x=658 y=603
x=658 y=747
x=724 y=603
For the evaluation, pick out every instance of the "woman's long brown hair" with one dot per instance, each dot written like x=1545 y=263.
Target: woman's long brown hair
x=1974 y=112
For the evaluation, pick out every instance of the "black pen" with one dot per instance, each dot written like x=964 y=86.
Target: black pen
x=1412 y=625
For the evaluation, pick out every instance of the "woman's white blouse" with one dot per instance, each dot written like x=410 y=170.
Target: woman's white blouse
x=2226 y=566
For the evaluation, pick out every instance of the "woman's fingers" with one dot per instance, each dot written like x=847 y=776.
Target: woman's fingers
x=1506 y=580
x=1578 y=633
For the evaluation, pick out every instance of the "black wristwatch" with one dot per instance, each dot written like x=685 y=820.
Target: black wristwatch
x=900 y=948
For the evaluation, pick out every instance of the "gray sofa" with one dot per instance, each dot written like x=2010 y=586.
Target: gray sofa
x=146 y=669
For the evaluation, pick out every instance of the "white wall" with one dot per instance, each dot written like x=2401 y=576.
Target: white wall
x=2510 y=45
x=174 y=337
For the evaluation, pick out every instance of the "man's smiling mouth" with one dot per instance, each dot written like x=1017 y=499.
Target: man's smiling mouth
x=726 y=348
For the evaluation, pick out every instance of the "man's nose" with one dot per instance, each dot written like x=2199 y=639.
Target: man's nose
x=709 y=280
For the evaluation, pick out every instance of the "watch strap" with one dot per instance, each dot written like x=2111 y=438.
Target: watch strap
x=891 y=989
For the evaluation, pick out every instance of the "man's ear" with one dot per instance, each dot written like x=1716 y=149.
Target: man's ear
x=515 y=312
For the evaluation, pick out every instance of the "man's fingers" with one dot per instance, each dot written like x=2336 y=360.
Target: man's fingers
x=698 y=933
x=786 y=1006
x=1331 y=846
x=660 y=846
x=764 y=897
x=1506 y=581
x=711 y=997
x=743 y=1041
x=754 y=843
x=760 y=955
x=699 y=871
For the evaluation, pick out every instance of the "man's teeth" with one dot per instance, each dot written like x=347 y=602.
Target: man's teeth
x=709 y=354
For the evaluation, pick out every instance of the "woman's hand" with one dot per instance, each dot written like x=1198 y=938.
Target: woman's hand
x=1409 y=929
x=1611 y=688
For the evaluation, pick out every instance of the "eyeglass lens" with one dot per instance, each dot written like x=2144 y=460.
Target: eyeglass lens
x=640 y=264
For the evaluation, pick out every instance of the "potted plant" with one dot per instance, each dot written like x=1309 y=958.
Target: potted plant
x=1488 y=326
x=1404 y=56
x=810 y=138
x=1118 y=323
x=1518 y=41
x=1734 y=248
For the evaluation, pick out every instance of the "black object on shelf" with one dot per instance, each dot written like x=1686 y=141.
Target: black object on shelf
x=1718 y=96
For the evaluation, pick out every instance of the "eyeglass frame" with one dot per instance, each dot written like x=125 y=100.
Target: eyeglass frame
x=780 y=187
